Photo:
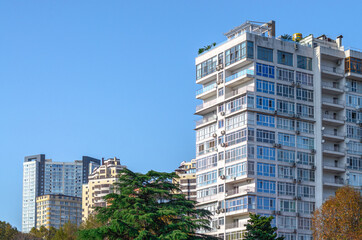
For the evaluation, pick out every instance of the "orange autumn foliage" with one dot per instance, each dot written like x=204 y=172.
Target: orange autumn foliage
x=340 y=217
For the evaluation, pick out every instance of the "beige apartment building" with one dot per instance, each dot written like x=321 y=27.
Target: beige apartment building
x=187 y=181
x=56 y=210
x=100 y=183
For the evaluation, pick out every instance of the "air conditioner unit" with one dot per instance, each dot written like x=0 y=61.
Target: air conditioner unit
x=217 y=211
x=296 y=47
x=222 y=210
x=275 y=145
x=223 y=145
x=218 y=226
x=313 y=151
x=221 y=66
x=298 y=85
x=299 y=181
x=339 y=62
x=314 y=167
x=279 y=145
x=297 y=132
x=222 y=177
x=294 y=165
x=299 y=198
x=223 y=132
x=217 y=68
x=214 y=135
x=273 y=212
x=222 y=113
x=276 y=112
x=278 y=212
x=294 y=180
x=295 y=230
x=294 y=198
x=293 y=84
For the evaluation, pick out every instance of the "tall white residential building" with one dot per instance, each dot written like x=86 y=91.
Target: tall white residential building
x=280 y=129
x=42 y=176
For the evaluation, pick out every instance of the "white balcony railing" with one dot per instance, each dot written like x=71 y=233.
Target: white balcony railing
x=205 y=120
x=332 y=69
x=205 y=105
x=239 y=91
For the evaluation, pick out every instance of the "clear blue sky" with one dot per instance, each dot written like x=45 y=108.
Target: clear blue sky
x=117 y=78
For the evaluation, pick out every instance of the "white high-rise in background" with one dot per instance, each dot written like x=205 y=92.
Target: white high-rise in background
x=280 y=129
x=42 y=176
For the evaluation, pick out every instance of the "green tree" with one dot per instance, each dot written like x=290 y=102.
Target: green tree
x=67 y=232
x=7 y=231
x=260 y=228
x=147 y=206
x=43 y=233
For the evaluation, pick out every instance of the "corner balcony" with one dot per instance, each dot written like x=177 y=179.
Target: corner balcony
x=207 y=199
x=239 y=77
x=333 y=151
x=241 y=210
x=333 y=169
x=331 y=88
x=206 y=92
x=332 y=136
x=205 y=121
x=239 y=92
x=239 y=192
x=333 y=120
x=332 y=72
x=337 y=182
x=332 y=104
x=206 y=107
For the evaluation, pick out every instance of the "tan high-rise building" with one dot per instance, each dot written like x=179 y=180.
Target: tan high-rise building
x=56 y=210
x=99 y=185
x=187 y=180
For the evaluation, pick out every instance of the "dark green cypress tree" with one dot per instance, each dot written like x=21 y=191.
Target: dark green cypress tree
x=259 y=228
x=148 y=206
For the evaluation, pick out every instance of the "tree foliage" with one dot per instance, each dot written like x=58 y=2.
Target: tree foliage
x=340 y=217
x=43 y=233
x=147 y=206
x=7 y=231
x=260 y=228
x=206 y=48
x=67 y=232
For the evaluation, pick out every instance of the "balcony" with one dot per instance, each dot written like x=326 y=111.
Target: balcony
x=206 y=107
x=332 y=136
x=337 y=182
x=332 y=72
x=239 y=77
x=242 y=210
x=240 y=191
x=206 y=120
x=353 y=67
x=235 y=225
x=211 y=198
x=333 y=169
x=333 y=151
x=331 y=88
x=239 y=91
x=332 y=119
x=333 y=104
x=207 y=91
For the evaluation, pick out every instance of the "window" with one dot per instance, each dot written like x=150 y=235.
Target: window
x=354 y=132
x=237 y=153
x=287 y=236
x=265 y=120
x=285 y=74
x=304 y=223
x=286 y=139
x=285 y=58
x=355 y=179
x=238 y=136
x=287 y=205
x=353 y=65
x=265 y=136
x=239 y=120
x=285 y=107
x=354 y=86
x=286 y=156
x=305 y=110
x=286 y=222
x=265 y=86
x=306 y=207
x=221 y=92
x=265 y=54
x=206 y=178
x=354 y=148
x=238 y=52
x=306 y=174
x=285 y=90
x=235 y=204
x=205 y=68
x=205 y=147
x=305 y=158
x=304 y=78
x=266 y=153
x=353 y=100
x=239 y=103
x=265 y=103
x=265 y=169
x=205 y=132
x=266 y=203
x=264 y=70
x=285 y=172
x=266 y=186
x=285 y=123
x=305 y=142
x=207 y=192
x=236 y=170
x=286 y=189
x=305 y=237
x=206 y=162
x=354 y=163
x=306 y=191
x=305 y=127
x=304 y=62
x=304 y=94
x=221 y=123
x=353 y=116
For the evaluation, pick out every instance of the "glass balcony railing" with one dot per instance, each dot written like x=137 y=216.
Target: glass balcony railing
x=205 y=120
x=206 y=89
x=239 y=74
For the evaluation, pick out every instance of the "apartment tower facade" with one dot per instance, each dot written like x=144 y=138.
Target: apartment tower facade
x=187 y=179
x=280 y=130
x=42 y=176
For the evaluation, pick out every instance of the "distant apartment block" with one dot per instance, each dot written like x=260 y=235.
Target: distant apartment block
x=42 y=176
x=100 y=183
x=280 y=128
x=187 y=179
x=56 y=210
